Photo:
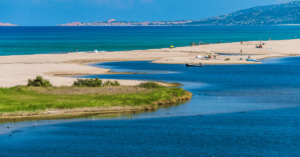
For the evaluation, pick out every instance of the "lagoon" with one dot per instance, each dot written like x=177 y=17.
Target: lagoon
x=237 y=110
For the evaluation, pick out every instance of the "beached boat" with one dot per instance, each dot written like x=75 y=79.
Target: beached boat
x=194 y=65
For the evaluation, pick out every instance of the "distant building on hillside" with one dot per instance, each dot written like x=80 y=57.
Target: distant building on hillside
x=111 y=20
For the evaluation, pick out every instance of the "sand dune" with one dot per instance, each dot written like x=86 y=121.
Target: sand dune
x=16 y=70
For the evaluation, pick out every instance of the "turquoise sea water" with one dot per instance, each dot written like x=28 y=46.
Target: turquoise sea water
x=40 y=40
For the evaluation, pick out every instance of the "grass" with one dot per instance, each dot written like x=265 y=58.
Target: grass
x=36 y=99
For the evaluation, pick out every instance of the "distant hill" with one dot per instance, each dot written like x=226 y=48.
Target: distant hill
x=285 y=13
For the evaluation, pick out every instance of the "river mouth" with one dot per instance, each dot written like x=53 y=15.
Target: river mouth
x=236 y=110
x=220 y=88
x=216 y=89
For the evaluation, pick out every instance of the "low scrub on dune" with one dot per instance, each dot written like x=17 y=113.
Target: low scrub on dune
x=34 y=99
x=94 y=83
x=150 y=85
x=39 y=82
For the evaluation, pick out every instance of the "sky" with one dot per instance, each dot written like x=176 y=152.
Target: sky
x=52 y=12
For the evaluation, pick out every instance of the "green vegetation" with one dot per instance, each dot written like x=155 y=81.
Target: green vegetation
x=227 y=59
x=94 y=83
x=35 y=99
x=39 y=82
x=110 y=83
x=150 y=85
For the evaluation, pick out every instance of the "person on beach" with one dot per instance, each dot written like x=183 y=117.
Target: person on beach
x=241 y=51
x=241 y=42
x=249 y=57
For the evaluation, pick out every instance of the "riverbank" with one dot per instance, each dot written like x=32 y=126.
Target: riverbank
x=16 y=70
x=68 y=102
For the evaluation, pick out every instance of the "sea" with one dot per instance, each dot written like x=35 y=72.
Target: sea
x=45 y=40
x=236 y=110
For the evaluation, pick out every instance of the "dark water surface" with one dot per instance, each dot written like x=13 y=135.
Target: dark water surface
x=41 y=40
x=223 y=88
x=246 y=110
x=259 y=133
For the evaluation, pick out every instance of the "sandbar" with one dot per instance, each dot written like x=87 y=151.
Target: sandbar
x=16 y=70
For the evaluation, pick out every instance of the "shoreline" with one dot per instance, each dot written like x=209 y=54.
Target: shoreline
x=16 y=70
x=52 y=114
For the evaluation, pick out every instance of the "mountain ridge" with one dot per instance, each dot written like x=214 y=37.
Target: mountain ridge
x=287 y=13
x=284 y=13
x=278 y=14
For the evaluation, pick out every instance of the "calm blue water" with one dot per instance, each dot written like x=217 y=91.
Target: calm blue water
x=273 y=84
x=38 y=40
x=260 y=133
x=247 y=110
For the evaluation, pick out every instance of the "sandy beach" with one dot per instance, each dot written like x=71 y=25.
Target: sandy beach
x=16 y=70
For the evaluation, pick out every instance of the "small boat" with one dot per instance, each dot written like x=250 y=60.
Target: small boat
x=194 y=65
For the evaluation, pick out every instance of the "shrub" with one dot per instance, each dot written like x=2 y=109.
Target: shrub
x=116 y=83
x=94 y=83
x=88 y=82
x=39 y=82
x=107 y=83
x=227 y=59
x=110 y=83
x=150 y=84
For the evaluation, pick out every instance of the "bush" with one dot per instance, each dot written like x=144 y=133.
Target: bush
x=88 y=82
x=109 y=83
x=116 y=83
x=94 y=83
x=39 y=82
x=150 y=85
x=227 y=59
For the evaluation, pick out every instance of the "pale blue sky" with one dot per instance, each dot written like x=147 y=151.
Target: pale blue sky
x=52 y=12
